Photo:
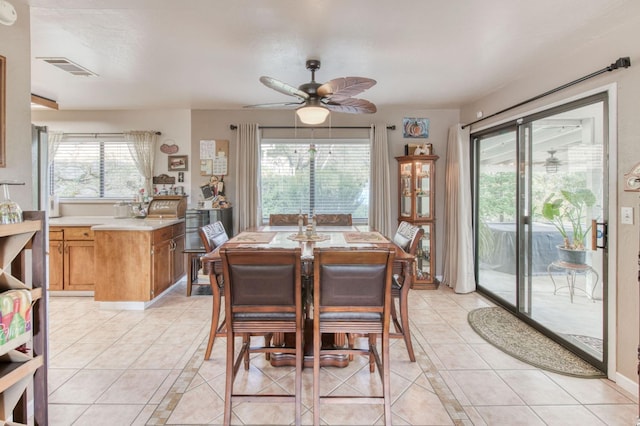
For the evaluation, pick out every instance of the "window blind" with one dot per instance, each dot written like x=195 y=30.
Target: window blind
x=94 y=169
x=315 y=176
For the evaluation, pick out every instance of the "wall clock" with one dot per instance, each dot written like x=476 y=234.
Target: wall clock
x=632 y=179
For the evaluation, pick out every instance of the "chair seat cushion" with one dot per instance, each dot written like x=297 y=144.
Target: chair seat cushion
x=264 y=316
x=350 y=316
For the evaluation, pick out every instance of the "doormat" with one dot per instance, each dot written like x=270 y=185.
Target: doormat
x=518 y=339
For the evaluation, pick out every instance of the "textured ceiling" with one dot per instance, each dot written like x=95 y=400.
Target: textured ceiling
x=209 y=54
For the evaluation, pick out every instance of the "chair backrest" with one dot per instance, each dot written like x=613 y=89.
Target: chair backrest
x=408 y=236
x=213 y=235
x=338 y=219
x=262 y=283
x=352 y=284
x=286 y=219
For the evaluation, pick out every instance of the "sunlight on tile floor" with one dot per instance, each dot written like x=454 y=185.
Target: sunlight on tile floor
x=111 y=367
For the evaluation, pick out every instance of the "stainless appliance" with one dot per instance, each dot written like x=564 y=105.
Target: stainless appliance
x=195 y=218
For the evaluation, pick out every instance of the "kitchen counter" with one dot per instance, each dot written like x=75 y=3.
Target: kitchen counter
x=109 y=223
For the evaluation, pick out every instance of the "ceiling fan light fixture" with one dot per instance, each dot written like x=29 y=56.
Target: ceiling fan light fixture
x=552 y=164
x=312 y=114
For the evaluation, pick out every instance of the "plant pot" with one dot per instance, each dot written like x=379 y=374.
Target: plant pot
x=578 y=257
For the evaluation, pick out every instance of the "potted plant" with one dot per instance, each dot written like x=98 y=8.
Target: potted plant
x=567 y=212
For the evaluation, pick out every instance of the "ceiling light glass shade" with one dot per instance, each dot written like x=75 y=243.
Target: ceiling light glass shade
x=552 y=164
x=312 y=114
x=8 y=13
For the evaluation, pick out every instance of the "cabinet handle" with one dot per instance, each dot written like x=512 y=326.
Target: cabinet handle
x=66 y=249
x=60 y=247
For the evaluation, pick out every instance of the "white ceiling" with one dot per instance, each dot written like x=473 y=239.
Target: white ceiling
x=209 y=54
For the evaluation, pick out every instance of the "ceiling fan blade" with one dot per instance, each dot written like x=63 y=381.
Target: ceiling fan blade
x=284 y=88
x=345 y=87
x=276 y=105
x=350 y=105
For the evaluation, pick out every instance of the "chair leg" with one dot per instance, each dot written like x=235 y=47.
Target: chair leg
x=299 y=363
x=230 y=377
x=215 y=318
x=404 y=318
x=386 y=379
x=317 y=342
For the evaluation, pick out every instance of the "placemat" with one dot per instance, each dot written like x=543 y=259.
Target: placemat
x=364 y=237
x=254 y=237
x=305 y=238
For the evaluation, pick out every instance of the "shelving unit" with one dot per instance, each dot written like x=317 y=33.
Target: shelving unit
x=23 y=358
x=416 y=205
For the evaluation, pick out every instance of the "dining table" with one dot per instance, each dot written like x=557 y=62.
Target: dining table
x=265 y=237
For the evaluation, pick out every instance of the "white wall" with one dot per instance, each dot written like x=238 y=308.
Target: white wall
x=15 y=46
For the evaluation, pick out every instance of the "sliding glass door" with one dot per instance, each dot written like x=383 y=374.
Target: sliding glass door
x=540 y=184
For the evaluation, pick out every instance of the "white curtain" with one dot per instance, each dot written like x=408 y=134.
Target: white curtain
x=380 y=186
x=458 y=260
x=142 y=149
x=53 y=142
x=248 y=176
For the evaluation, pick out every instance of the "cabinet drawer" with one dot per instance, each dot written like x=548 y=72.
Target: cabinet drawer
x=56 y=234
x=162 y=234
x=78 y=234
x=178 y=229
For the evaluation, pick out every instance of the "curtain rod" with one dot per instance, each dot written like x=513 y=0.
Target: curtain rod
x=620 y=63
x=390 y=127
x=95 y=135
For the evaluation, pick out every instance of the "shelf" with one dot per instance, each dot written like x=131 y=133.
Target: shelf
x=12 y=372
x=19 y=228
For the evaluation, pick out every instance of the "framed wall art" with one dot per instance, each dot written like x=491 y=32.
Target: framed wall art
x=178 y=163
x=415 y=127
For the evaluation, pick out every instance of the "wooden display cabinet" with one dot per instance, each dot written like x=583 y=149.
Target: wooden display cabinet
x=416 y=205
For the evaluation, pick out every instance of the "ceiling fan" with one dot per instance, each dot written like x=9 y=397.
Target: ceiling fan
x=316 y=100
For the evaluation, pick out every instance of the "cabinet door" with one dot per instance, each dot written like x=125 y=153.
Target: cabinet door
x=79 y=270
x=425 y=260
x=56 y=262
x=162 y=267
x=178 y=258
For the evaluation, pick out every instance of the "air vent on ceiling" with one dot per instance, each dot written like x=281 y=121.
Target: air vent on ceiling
x=69 y=66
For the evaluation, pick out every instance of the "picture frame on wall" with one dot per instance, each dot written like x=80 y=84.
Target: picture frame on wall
x=178 y=163
x=413 y=127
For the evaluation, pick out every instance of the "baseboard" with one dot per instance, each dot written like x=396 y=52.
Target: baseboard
x=627 y=384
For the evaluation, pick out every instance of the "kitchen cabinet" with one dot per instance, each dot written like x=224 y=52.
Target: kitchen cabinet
x=137 y=265
x=71 y=258
x=416 y=205
x=23 y=351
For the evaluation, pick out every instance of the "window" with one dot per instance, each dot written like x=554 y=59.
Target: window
x=89 y=169
x=320 y=176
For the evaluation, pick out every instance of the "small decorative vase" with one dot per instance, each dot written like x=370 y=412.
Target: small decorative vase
x=10 y=211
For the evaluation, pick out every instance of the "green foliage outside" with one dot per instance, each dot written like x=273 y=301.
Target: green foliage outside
x=339 y=175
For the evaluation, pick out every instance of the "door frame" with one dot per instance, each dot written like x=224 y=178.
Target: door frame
x=610 y=158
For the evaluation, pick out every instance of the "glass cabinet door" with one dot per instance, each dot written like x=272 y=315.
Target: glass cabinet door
x=406 y=190
x=423 y=189
x=424 y=261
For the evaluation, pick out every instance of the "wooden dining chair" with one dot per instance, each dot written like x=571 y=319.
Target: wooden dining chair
x=334 y=219
x=213 y=236
x=407 y=237
x=286 y=219
x=352 y=295
x=263 y=295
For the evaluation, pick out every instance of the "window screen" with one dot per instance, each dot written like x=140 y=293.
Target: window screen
x=315 y=176
x=94 y=169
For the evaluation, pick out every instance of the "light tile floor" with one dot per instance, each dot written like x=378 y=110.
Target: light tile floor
x=111 y=367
